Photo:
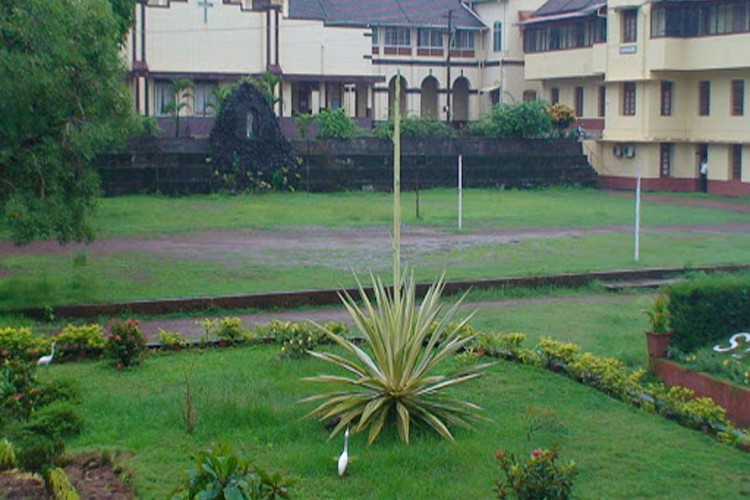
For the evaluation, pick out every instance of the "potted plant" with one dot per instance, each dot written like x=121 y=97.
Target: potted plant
x=658 y=336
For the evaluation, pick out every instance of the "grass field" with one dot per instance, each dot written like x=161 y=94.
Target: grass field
x=156 y=247
x=249 y=398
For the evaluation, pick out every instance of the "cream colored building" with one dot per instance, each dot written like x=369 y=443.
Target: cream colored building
x=332 y=54
x=661 y=86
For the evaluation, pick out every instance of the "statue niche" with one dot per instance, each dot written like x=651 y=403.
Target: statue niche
x=248 y=150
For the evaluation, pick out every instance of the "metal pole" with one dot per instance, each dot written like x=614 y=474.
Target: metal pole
x=448 y=69
x=637 y=212
x=460 y=192
x=397 y=190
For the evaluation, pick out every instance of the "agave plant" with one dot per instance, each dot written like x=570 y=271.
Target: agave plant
x=394 y=379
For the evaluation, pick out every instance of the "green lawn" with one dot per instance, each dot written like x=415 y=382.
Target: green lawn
x=215 y=265
x=554 y=207
x=249 y=398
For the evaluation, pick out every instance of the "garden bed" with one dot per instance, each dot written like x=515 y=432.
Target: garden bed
x=735 y=399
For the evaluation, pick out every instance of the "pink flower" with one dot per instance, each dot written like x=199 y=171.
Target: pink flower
x=6 y=352
x=35 y=390
x=537 y=453
x=18 y=396
x=500 y=453
x=120 y=366
x=117 y=338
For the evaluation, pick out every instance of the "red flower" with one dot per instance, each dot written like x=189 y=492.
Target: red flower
x=6 y=352
x=35 y=390
x=120 y=366
x=537 y=453
x=18 y=396
x=117 y=338
x=500 y=453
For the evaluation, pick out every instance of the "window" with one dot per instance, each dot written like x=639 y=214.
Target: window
x=578 y=101
x=564 y=35
x=665 y=159
x=205 y=101
x=602 y=104
x=375 y=37
x=700 y=19
x=497 y=36
x=529 y=95
x=666 y=98
x=704 y=98
x=554 y=95
x=164 y=98
x=429 y=38
x=463 y=40
x=630 y=26
x=397 y=37
x=628 y=98
x=738 y=97
x=735 y=158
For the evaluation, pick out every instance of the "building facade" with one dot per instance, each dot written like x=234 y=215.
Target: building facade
x=454 y=58
x=660 y=86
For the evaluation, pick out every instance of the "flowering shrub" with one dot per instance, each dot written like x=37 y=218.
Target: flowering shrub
x=19 y=390
x=125 y=343
x=21 y=344
x=538 y=477
x=562 y=115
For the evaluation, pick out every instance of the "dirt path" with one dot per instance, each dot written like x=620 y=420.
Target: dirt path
x=189 y=328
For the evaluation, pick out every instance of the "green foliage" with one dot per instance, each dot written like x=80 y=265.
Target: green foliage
x=226 y=329
x=81 y=338
x=146 y=126
x=37 y=452
x=515 y=121
x=172 y=340
x=59 y=419
x=64 y=101
x=658 y=314
x=303 y=122
x=707 y=310
x=7 y=455
x=125 y=343
x=397 y=381
x=220 y=474
x=336 y=124
x=539 y=477
x=60 y=485
x=562 y=115
x=297 y=339
x=267 y=84
x=415 y=127
x=19 y=390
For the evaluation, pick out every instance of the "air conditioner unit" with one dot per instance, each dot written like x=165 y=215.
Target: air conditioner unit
x=628 y=151
x=617 y=151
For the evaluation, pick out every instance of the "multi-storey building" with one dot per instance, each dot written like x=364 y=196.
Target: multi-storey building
x=455 y=57
x=661 y=86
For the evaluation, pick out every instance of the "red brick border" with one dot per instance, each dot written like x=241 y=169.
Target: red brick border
x=734 y=398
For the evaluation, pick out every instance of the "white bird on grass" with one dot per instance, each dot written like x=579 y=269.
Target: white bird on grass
x=45 y=360
x=344 y=458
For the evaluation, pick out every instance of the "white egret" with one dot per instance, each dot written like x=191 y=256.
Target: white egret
x=45 y=360
x=344 y=458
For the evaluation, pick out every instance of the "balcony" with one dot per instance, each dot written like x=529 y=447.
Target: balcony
x=699 y=53
x=571 y=63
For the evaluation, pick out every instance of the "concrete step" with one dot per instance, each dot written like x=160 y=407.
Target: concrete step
x=617 y=286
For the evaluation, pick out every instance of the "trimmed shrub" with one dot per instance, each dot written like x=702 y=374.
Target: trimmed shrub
x=515 y=121
x=708 y=310
x=37 y=452
x=56 y=420
x=415 y=127
x=79 y=339
x=21 y=344
x=336 y=124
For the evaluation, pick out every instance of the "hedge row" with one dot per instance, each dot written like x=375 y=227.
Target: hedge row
x=708 y=310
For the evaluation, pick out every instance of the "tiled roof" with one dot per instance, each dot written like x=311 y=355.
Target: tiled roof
x=384 y=12
x=553 y=7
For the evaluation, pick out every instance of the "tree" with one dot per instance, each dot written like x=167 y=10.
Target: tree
x=182 y=90
x=63 y=99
